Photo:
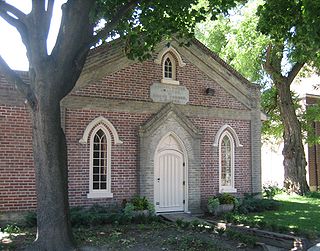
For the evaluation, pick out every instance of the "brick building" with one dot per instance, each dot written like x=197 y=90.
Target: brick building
x=177 y=128
x=313 y=150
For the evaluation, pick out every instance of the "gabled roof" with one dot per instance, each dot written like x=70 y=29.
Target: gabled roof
x=110 y=58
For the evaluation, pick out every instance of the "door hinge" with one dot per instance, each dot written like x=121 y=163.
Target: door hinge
x=184 y=201
x=184 y=183
x=183 y=164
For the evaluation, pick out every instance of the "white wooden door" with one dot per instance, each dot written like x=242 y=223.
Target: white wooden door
x=169 y=181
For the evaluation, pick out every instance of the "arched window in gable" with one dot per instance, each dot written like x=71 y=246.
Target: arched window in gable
x=170 y=60
x=169 y=68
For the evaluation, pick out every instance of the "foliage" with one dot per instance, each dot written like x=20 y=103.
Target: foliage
x=251 y=204
x=235 y=39
x=30 y=219
x=212 y=205
x=226 y=198
x=140 y=203
x=315 y=194
x=12 y=229
x=128 y=210
x=270 y=190
x=244 y=238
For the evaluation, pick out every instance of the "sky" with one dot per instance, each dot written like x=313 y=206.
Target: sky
x=11 y=46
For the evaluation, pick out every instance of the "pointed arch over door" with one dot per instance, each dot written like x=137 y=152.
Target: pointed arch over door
x=170 y=175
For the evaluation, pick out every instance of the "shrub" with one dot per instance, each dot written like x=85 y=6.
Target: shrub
x=314 y=194
x=226 y=198
x=30 y=219
x=270 y=190
x=11 y=229
x=250 y=204
x=128 y=210
x=213 y=203
x=140 y=203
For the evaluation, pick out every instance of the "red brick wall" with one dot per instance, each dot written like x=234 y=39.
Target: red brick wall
x=17 y=191
x=17 y=187
x=314 y=150
x=124 y=156
x=210 y=156
x=133 y=83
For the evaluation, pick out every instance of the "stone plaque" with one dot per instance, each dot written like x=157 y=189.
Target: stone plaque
x=165 y=93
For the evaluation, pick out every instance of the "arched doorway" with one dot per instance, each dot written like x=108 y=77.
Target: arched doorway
x=170 y=179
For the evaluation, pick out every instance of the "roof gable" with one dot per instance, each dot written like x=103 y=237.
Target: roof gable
x=110 y=58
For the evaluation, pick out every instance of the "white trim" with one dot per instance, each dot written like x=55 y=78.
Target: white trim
x=169 y=50
x=105 y=193
x=223 y=128
x=96 y=121
x=185 y=171
x=169 y=81
x=225 y=189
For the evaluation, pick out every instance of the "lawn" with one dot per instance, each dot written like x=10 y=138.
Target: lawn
x=298 y=213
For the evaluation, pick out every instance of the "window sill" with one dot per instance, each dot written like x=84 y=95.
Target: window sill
x=100 y=194
x=227 y=190
x=169 y=81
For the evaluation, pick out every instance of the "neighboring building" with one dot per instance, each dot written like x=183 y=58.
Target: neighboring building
x=313 y=150
x=177 y=129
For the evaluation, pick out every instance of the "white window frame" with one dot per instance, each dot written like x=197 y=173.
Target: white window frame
x=100 y=193
x=227 y=129
x=92 y=128
x=227 y=189
x=165 y=79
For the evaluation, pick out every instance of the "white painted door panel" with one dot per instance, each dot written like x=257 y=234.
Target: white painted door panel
x=169 y=181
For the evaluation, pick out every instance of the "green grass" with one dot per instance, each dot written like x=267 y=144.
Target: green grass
x=298 y=213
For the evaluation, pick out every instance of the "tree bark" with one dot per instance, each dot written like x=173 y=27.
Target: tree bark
x=50 y=160
x=293 y=152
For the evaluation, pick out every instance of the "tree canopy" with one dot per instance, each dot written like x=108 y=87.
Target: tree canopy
x=53 y=75
x=270 y=46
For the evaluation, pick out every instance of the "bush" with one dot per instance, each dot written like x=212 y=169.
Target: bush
x=250 y=205
x=226 y=198
x=315 y=195
x=270 y=190
x=140 y=203
x=212 y=205
x=30 y=219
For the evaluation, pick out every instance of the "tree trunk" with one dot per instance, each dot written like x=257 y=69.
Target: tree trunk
x=293 y=152
x=50 y=160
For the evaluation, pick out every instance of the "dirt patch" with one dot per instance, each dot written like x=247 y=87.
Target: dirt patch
x=156 y=237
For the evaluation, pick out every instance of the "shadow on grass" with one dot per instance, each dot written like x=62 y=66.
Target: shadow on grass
x=300 y=214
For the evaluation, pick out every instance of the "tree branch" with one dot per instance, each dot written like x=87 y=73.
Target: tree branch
x=9 y=8
x=14 y=79
x=122 y=11
x=294 y=72
x=269 y=67
x=18 y=23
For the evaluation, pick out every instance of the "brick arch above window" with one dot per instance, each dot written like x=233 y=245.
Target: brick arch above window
x=171 y=50
x=228 y=128
x=94 y=123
